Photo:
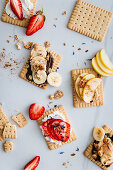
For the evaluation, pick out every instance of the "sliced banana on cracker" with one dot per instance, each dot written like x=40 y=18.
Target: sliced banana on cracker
x=39 y=77
x=98 y=133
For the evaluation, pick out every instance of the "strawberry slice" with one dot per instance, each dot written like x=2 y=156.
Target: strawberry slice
x=36 y=110
x=57 y=129
x=16 y=7
x=45 y=127
x=36 y=23
x=33 y=163
x=50 y=128
x=61 y=130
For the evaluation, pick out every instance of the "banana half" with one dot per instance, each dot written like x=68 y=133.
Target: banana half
x=98 y=133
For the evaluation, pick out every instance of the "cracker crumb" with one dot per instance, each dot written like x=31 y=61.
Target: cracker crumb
x=64 y=44
x=28 y=46
x=73 y=154
x=64 y=164
x=18 y=46
x=64 y=13
x=15 y=38
x=47 y=44
x=79 y=48
x=10 y=36
x=51 y=97
x=8 y=41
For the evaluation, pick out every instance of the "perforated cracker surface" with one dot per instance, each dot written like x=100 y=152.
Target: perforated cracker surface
x=90 y=20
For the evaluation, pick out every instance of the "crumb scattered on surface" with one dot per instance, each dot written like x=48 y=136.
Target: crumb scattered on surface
x=64 y=13
x=47 y=44
x=28 y=46
x=73 y=154
x=18 y=46
x=15 y=38
x=10 y=35
x=79 y=48
x=51 y=97
x=8 y=41
x=64 y=44
x=64 y=164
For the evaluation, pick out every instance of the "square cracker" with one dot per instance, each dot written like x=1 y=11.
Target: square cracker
x=20 y=120
x=73 y=136
x=88 y=151
x=57 y=59
x=90 y=20
x=8 y=146
x=9 y=131
x=24 y=22
x=77 y=101
x=3 y=121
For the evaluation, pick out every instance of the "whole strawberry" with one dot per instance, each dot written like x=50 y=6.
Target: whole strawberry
x=36 y=23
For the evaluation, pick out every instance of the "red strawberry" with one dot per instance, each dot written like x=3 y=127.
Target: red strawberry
x=62 y=130
x=16 y=7
x=57 y=129
x=45 y=128
x=33 y=163
x=36 y=22
x=36 y=111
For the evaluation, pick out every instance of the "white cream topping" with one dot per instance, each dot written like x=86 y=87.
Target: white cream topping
x=26 y=6
x=55 y=115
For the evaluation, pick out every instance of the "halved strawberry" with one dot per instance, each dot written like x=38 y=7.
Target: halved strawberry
x=16 y=7
x=36 y=22
x=33 y=163
x=36 y=110
x=61 y=130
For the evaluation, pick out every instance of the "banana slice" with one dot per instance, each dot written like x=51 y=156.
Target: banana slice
x=97 y=68
x=89 y=89
x=84 y=81
x=77 y=82
x=98 y=133
x=39 y=77
x=102 y=67
x=105 y=60
x=54 y=79
x=39 y=51
x=38 y=61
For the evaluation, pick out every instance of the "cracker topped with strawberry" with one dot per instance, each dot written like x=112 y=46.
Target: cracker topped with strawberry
x=56 y=128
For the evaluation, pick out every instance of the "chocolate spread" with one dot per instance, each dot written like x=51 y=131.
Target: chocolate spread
x=48 y=66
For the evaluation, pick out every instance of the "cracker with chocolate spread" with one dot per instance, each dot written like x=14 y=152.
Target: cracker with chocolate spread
x=31 y=67
x=99 y=151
